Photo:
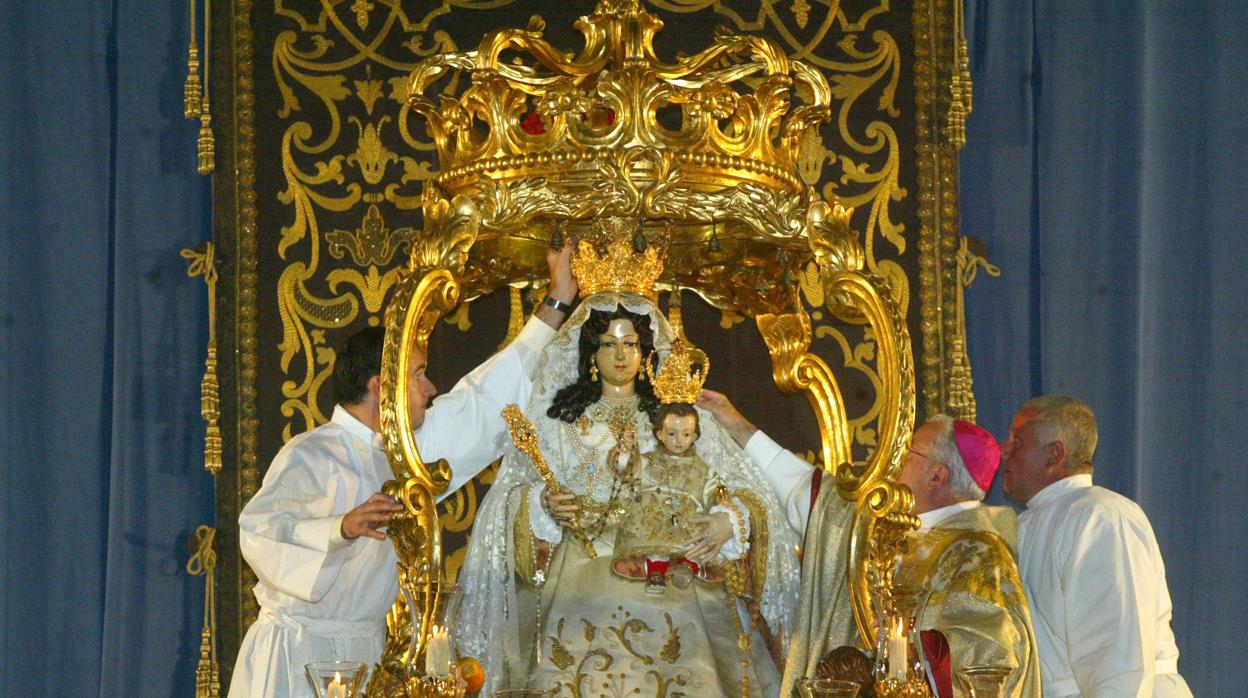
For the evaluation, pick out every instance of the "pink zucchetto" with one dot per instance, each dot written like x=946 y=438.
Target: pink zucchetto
x=979 y=450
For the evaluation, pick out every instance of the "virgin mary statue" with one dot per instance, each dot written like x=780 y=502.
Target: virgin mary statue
x=543 y=606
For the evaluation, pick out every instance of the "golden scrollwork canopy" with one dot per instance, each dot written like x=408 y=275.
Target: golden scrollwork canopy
x=535 y=142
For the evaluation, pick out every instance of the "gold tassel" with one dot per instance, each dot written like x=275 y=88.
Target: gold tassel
x=191 y=91
x=210 y=409
x=206 y=142
x=207 y=145
x=959 y=83
x=961 y=390
x=205 y=264
x=203 y=564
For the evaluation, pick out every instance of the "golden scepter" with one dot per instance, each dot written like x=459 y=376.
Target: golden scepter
x=524 y=436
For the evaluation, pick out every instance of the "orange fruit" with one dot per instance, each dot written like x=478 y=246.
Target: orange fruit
x=473 y=674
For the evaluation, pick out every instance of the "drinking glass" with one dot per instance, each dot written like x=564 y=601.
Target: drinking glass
x=336 y=678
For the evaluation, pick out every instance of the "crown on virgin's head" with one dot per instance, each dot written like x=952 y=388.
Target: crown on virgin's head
x=682 y=374
x=617 y=257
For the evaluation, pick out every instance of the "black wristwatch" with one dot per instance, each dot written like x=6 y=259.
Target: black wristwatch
x=557 y=304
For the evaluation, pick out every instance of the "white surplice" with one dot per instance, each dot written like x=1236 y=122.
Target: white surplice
x=1097 y=588
x=790 y=477
x=323 y=597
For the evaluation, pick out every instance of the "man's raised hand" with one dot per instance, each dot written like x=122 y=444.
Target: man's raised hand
x=733 y=422
x=563 y=285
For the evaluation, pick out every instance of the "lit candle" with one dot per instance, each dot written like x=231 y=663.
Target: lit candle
x=897 y=650
x=336 y=688
x=438 y=654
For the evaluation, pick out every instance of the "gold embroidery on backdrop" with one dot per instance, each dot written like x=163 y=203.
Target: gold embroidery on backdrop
x=333 y=172
x=372 y=243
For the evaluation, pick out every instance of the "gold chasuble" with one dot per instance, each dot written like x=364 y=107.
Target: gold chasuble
x=977 y=598
x=825 y=616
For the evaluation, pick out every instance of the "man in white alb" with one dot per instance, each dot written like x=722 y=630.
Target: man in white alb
x=312 y=533
x=1090 y=563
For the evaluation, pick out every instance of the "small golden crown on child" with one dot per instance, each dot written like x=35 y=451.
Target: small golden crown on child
x=610 y=259
x=682 y=374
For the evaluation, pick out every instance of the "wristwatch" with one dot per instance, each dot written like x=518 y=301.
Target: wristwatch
x=557 y=304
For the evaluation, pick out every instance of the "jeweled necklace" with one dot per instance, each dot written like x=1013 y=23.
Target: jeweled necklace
x=619 y=414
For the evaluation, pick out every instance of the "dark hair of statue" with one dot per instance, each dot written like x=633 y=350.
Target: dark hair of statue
x=571 y=400
x=676 y=409
x=359 y=360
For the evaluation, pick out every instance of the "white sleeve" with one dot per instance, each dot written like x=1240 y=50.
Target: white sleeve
x=289 y=532
x=734 y=549
x=465 y=426
x=789 y=476
x=532 y=339
x=1109 y=590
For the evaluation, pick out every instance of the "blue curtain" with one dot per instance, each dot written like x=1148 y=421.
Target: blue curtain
x=1106 y=170
x=102 y=339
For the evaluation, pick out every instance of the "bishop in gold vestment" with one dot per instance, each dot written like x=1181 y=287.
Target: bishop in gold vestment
x=976 y=597
x=964 y=553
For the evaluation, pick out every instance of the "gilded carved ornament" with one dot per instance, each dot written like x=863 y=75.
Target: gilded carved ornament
x=429 y=287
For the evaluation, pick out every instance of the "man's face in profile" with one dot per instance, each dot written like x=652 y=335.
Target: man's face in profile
x=916 y=467
x=1026 y=457
x=420 y=390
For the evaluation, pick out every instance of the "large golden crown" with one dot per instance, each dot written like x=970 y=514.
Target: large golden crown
x=682 y=374
x=542 y=138
x=741 y=105
x=618 y=257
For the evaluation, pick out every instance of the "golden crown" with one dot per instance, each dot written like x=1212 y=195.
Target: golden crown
x=541 y=111
x=682 y=374
x=541 y=138
x=617 y=257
